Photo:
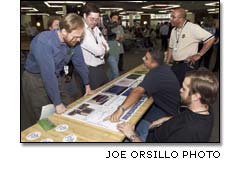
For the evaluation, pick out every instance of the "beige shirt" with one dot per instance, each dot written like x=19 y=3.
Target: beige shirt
x=93 y=47
x=184 y=41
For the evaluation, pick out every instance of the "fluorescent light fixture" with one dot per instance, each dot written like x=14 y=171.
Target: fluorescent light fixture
x=212 y=4
x=189 y=13
x=161 y=6
x=30 y=9
x=132 y=1
x=213 y=12
x=134 y=12
x=59 y=12
x=163 y=11
x=216 y=9
x=65 y=2
x=111 y=8
x=122 y=13
x=52 y=6
x=45 y=14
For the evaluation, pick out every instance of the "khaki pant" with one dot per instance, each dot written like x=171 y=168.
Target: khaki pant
x=35 y=95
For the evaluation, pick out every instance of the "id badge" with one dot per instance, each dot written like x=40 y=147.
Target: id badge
x=175 y=49
x=66 y=69
x=118 y=43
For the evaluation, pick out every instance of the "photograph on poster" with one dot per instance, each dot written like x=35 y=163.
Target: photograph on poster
x=116 y=89
x=100 y=99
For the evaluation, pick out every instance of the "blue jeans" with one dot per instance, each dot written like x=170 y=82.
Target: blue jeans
x=154 y=113
x=113 y=67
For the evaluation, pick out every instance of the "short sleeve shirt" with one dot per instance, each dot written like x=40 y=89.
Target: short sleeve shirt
x=162 y=84
x=184 y=41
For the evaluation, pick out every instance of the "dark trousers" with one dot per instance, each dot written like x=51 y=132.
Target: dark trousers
x=120 y=63
x=97 y=76
x=181 y=68
x=206 y=58
x=217 y=64
x=164 y=42
x=35 y=95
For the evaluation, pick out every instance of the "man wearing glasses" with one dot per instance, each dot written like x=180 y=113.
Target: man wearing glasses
x=183 y=45
x=94 y=46
x=49 y=52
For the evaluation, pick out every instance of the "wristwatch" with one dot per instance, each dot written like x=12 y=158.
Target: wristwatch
x=199 y=54
x=133 y=137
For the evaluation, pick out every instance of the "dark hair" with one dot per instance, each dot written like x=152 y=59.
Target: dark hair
x=157 y=55
x=114 y=14
x=90 y=7
x=205 y=83
x=51 y=20
x=71 y=22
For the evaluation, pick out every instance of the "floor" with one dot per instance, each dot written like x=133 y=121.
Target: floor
x=132 y=58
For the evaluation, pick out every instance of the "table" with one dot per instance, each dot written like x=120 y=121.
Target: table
x=86 y=132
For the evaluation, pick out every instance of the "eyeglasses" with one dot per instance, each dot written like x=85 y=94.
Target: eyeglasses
x=93 y=19
x=77 y=37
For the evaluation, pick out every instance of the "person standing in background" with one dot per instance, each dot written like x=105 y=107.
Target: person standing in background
x=118 y=30
x=183 y=46
x=94 y=46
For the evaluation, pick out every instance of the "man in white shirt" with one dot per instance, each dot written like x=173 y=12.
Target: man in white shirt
x=94 y=46
x=183 y=46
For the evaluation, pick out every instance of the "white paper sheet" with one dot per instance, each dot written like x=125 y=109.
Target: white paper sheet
x=47 y=110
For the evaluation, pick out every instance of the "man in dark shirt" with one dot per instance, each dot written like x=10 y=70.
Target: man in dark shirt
x=194 y=124
x=160 y=83
x=49 y=52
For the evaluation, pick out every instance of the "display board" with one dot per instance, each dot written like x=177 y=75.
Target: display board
x=98 y=107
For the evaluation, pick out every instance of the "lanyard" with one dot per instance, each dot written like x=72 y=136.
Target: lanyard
x=178 y=34
x=93 y=34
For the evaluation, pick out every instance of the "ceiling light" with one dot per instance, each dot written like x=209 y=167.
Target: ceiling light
x=161 y=6
x=212 y=4
x=29 y=9
x=134 y=12
x=59 y=12
x=162 y=11
x=38 y=24
x=132 y=1
x=213 y=12
x=53 y=6
x=45 y=14
x=65 y=2
x=111 y=8
x=216 y=9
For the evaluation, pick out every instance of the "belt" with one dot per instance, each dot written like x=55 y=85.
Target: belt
x=95 y=66
x=180 y=62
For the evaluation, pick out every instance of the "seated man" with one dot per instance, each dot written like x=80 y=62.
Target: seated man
x=195 y=123
x=160 y=83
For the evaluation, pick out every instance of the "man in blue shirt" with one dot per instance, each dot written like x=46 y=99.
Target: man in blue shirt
x=49 y=52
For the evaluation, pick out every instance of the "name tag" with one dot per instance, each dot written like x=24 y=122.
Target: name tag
x=66 y=69
x=175 y=49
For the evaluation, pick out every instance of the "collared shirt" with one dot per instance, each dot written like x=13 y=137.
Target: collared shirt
x=93 y=48
x=48 y=55
x=164 y=29
x=118 y=30
x=184 y=41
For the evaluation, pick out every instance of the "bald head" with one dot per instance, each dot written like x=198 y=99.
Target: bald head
x=180 y=12
x=178 y=17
